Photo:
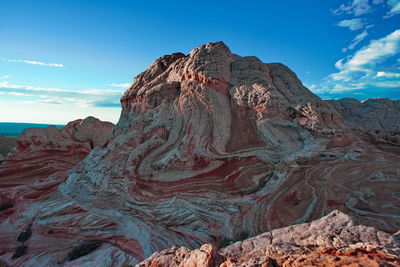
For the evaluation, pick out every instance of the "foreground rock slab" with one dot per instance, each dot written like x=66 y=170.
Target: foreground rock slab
x=334 y=240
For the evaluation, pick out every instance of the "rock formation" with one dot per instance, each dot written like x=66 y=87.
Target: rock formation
x=334 y=240
x=210 y=147
x=33 y=170
x=6 y=145
x=379 y=117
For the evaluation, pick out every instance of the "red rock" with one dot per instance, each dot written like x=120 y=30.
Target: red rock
x=210 y=147
x=33 y=170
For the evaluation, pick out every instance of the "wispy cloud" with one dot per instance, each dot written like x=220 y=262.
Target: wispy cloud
x=82 y=98
x=387 y=74
x=355 y=7
x=33 y=62
x=17 y=93
x=394 y=6
x=5 y=77
x=28 y=88
x=359 y=37
x=374 y=69
x=370 y=55
x=363 y=69
x=352 y=24
x=347 y=87
x=46 y=101
x=120 y=85
x=387 y=84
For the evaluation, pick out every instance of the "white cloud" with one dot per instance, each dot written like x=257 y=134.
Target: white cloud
x=19 y=94
x=356 y=41
x=342 y=9
x=121 y=85
x=316 y=88
x=46 y=101
x=387 y=74
x=387 y=84
x=355 y=7
x=312 y=87
x=6 y=84
x=361 y=7
x=364 y=69
x=352 y=24
x=377 y=63
x=376 y=51
x=83 y=98
x=5 y=77
x=394 y=6
x=33 y=62
x=348 y=87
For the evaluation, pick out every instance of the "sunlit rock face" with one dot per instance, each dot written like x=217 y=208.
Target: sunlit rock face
x=334 y=240
x=210 y=147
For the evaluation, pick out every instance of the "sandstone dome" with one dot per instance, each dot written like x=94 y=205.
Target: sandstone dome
x=211 y=147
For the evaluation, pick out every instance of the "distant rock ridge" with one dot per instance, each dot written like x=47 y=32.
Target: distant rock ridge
x=41 y=160
x=6 y=145
x=79 y=136
x=210 y=147
x=378 y=116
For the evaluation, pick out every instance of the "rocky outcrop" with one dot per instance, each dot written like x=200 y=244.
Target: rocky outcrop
x=334 y=240
x=6 y=145
x=79 y=136
x=33 y=170
x=380 y=117
x=41 y=152
x=210 y=147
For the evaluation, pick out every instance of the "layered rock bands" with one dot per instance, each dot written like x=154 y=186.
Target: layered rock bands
x=211 y=148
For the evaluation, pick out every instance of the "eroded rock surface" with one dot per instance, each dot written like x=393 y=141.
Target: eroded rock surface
x=32 y=172
x=334 y=240
x=210 y=147
x=380 y=116
x=6 y=145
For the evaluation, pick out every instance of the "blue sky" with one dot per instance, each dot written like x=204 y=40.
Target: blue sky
x=68 y=59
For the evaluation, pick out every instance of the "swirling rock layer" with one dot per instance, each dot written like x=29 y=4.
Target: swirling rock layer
x=210 y=147
x=32 y=173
